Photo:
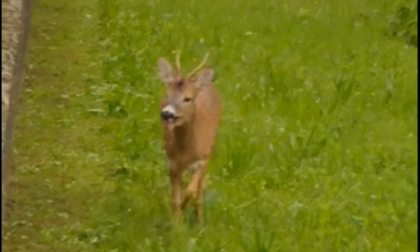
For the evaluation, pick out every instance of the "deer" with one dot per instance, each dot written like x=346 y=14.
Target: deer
x=190 y=113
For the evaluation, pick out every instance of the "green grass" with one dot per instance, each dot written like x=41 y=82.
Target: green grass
x=317 y=148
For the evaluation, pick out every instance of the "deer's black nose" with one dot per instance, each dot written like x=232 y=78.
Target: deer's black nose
x=166 y=115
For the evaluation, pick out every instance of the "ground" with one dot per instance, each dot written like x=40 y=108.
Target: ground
x=317 y=149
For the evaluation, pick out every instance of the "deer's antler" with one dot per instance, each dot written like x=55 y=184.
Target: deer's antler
x=199 y=66
x=178 y=62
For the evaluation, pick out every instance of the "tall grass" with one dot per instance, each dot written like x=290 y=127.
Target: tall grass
x=317 y=146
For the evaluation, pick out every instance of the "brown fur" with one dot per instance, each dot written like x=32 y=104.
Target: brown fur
x=189 y=139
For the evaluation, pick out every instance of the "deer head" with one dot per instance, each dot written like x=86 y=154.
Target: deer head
x=179 y=101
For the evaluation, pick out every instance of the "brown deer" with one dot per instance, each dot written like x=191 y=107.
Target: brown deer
x=190 y=113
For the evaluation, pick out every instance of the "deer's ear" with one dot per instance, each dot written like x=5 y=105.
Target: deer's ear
x=165 y=71
x=204 y=77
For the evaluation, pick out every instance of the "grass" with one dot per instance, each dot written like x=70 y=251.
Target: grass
x=317 y=149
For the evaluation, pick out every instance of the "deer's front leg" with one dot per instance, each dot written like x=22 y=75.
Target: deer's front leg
x=175 y=179
x=195 y=189
x=200 y=195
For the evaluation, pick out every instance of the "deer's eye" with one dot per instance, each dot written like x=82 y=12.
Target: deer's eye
x=187 y=99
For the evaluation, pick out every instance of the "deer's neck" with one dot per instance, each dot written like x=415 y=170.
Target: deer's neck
x=180 y=143
x=184 y=137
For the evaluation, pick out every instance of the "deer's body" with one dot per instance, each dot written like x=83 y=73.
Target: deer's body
x=193 y=142
x=190 y=114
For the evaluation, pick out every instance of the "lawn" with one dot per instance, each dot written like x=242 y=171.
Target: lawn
x=317 y=147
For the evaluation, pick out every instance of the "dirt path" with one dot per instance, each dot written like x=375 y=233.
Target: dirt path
x=58 y=144
x=15 y=15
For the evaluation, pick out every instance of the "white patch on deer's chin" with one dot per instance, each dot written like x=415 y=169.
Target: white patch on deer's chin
x=171 y=124
x=170 y=109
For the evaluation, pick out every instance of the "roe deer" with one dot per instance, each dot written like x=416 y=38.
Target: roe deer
x=190 y=113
